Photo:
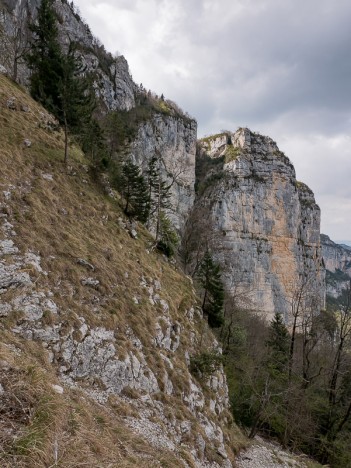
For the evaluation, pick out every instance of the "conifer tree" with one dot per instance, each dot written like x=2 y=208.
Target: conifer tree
x=210 y=279
x=55 y=77
x=168 y=239
x=159 y=192
x=278 y=346
x=92 y=138
x=135 y=192
x=45 y=59
x=77 y=102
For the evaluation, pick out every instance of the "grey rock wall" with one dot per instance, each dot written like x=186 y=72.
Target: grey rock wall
x=174 y=140
x=337 y=260
x=265 y=223
x=335 y=256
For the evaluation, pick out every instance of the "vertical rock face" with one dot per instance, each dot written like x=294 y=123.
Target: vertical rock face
x=266 y=224
x=112 y=81
x=337 y=260
x=174 y=139
x=335 y=256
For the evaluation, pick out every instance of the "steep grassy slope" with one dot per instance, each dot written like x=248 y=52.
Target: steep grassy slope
x=96 y=329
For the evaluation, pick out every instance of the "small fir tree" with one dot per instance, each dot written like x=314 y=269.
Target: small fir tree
x=77 y=101
x=135 y=192
x=93 y=142
x=168 y=237
x=159 y=192
x=278 y=346
x=210 y=279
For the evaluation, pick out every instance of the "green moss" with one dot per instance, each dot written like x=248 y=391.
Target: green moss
x=301 y=186
x=207 y=171
x=211 y=180
x=210 y=138
x=231 y=153
x=121 y=127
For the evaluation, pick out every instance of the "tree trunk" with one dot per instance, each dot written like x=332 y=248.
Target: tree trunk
x=66 y=140
x=158 y=208
x=291 y=350
x=335 y=374
x=15 y=68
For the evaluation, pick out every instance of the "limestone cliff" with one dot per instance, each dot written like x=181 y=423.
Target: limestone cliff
x=337 y=260
x=173 y=138
x=265 y=225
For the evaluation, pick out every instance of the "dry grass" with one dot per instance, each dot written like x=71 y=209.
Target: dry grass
x=63 y=220
x=71 y=218
x=41 y=428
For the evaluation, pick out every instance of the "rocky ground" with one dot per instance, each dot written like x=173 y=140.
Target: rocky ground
x=264 y=454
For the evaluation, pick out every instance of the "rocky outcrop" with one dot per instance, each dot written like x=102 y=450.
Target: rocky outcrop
x=113 y=83
x=173 y=140
x=265 y=224
x=335 y=256
x=268 y=454
x=337 y=260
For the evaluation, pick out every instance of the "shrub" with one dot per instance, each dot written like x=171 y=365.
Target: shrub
x=205 y=364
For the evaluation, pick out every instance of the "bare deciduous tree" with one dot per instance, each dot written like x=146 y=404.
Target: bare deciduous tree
x=15 y=41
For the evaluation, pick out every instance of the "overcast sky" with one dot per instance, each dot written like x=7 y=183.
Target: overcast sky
x=279 y=67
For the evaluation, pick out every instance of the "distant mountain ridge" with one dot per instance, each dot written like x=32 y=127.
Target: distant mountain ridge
x=345 y=244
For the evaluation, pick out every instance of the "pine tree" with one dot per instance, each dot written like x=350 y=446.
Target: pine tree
x=278 y=346
x=55 y=79
x=159 y=192
x=45 y=59
x=135 y=192
x=168 y=239
x=210 y=279
x=77 y=100
x=92 y=139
